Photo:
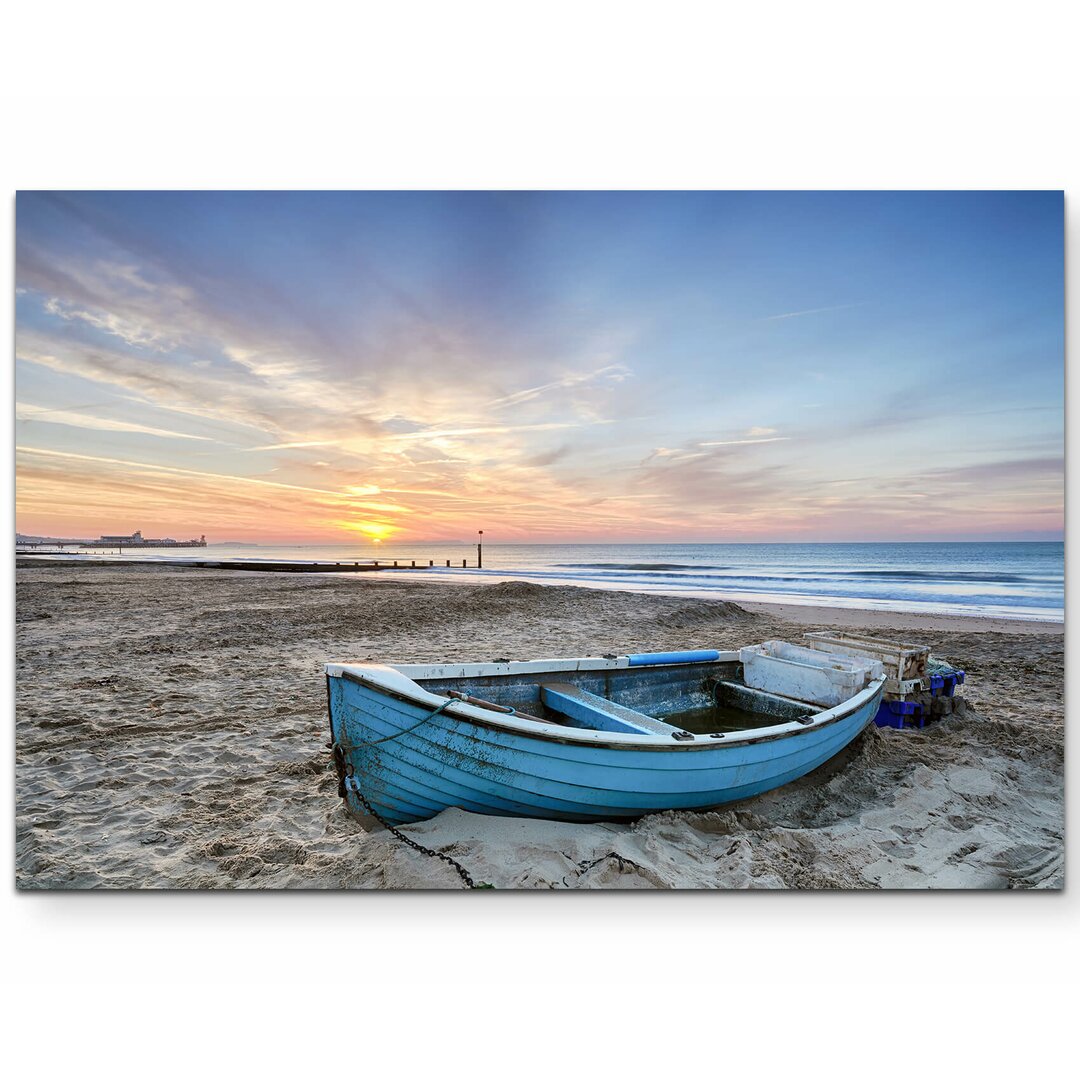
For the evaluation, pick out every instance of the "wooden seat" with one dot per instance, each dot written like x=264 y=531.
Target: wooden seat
x=592 y=711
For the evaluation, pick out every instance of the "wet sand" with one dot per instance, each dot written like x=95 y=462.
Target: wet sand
x=171 y=730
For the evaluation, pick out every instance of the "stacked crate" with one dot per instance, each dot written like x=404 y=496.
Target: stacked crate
x=918 y=687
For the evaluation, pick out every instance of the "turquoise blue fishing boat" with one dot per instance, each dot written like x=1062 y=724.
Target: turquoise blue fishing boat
x=588 y=739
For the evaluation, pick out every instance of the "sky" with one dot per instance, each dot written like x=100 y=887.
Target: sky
x=547 y=366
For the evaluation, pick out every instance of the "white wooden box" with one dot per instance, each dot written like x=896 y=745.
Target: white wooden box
x=793 y=671
x=904 y=664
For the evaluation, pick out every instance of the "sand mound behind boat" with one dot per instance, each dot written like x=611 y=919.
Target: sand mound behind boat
x=516 y=590
x=676 y=613
x=702 y=613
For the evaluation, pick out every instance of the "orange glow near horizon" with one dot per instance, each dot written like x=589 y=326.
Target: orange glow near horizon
x=376 y=531
x=100 y=495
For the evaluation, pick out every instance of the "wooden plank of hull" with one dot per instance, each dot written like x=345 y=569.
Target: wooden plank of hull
x=543 y=768
x=406 y=792
x=394 y=789
x=449 y=761
x=597 y=801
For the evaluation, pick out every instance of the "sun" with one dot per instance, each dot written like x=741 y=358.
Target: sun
x=375 y=531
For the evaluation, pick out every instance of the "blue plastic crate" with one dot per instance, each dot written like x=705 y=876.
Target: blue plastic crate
x=898 y=713
x=944 y=678
x=946 y=682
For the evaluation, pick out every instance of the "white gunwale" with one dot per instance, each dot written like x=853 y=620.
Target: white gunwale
x=398 y=682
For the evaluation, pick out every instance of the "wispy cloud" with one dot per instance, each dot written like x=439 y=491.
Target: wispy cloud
x=612 y=372
x=746 y=442
x=289 y=445
x=172 y=470
x=38 y=413
x=500 y=429
x=809 y=311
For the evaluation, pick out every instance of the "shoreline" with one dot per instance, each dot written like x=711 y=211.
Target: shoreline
x=875 y=619
x=848 y=614
x=188 y=713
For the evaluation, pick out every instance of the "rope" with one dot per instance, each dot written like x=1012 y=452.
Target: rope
x=423 y=720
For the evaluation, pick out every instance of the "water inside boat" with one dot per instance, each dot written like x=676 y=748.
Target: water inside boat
x=708 y=719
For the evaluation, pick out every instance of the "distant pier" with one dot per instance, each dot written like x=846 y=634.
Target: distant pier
x=31 y=544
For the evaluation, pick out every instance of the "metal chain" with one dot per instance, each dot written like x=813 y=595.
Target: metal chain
x=347 y=773
x=354 y=787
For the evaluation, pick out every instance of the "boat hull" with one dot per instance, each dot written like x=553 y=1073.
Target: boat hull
x=449 y=761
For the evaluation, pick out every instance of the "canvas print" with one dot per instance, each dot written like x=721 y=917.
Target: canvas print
x=539 y=540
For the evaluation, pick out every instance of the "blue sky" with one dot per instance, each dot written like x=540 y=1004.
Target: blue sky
x=549 y=365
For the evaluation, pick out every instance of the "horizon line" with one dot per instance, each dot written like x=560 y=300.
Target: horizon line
x=598 y=543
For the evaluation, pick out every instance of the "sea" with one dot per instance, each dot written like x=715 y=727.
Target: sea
x=1022 y=580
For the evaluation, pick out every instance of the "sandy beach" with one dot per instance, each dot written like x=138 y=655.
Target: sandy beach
x=171 y=733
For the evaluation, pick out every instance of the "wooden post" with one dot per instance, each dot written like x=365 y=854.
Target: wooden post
x=414 y=564
x=462 y=564
x=448 y=563
x=480 y=551
x=431 y=562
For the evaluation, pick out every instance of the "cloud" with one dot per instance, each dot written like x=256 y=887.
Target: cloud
x=547 y=457
x=262 y=378
x=501 y=429
x=611 y=372
x=747 y=442
x=172 y=470
x=992 y=476
x=288 y=446
x=808 y=311
x=26 y=412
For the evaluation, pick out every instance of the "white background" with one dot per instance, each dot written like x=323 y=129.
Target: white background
x=457 y=94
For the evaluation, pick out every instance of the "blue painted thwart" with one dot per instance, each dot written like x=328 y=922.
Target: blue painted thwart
x=584 y=742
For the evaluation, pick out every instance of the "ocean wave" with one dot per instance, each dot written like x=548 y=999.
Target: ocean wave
x=641 y=566
x=821 y=583
x=818 y=574
x=932 y=575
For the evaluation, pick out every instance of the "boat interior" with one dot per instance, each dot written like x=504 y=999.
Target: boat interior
x=678 y=700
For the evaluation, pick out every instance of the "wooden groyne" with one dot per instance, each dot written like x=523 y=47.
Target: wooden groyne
x=313 y=567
